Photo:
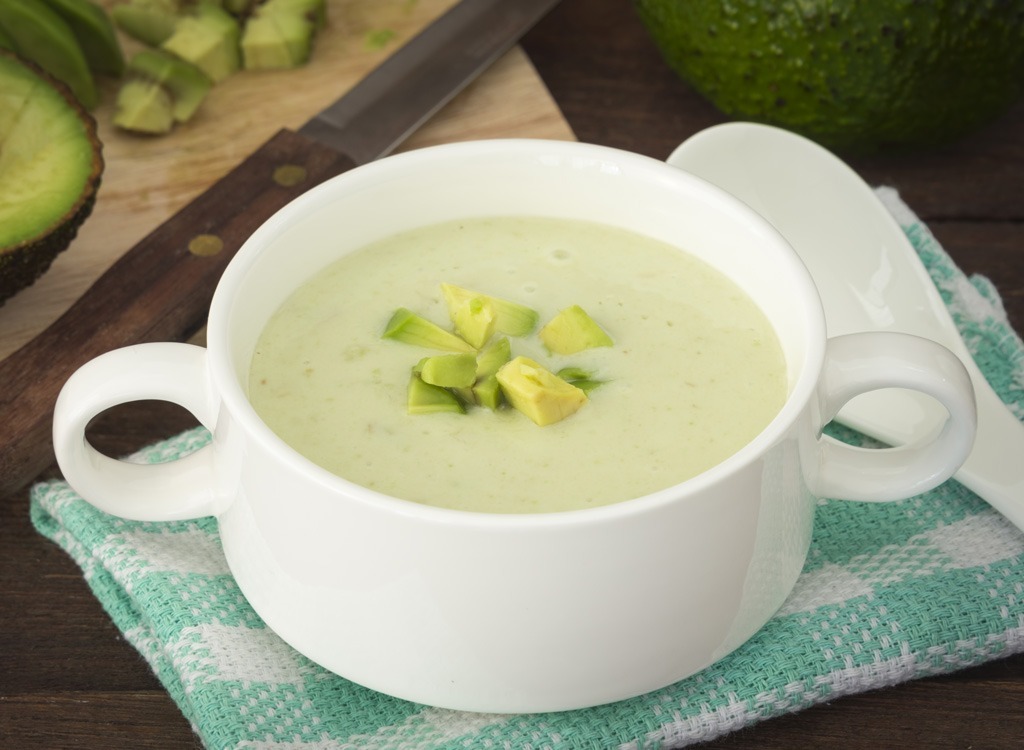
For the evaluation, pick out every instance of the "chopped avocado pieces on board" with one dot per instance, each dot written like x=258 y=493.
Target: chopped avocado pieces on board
x=208 y=38
x=144 y=106
x=280 y=33
x=151 y=22
x=185 y=83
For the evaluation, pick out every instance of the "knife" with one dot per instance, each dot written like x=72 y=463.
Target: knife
x=161 y=289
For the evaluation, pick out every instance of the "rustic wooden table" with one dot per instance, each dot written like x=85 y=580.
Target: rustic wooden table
x=67 y=677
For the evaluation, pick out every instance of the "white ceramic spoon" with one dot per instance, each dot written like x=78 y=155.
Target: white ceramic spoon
x=870 y=278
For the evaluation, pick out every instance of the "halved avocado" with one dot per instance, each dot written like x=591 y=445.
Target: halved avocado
x=51 y=162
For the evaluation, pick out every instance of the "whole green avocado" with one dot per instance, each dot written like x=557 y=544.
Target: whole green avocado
x=854 y=75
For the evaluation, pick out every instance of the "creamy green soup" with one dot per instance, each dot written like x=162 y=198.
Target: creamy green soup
x=694 y=374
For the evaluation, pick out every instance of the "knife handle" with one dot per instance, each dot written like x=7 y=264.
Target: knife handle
x=160 y=290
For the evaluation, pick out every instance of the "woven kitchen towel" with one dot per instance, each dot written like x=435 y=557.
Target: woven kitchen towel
x=890 y=592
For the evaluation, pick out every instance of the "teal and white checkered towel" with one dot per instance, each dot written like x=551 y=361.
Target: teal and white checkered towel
x=890 y=592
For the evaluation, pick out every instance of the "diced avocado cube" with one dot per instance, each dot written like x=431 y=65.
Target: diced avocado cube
x=209 y=39
x=492 y=357
x=186 y=83
x=511 y=318
x=475 y=320
x=538 y=393
x=276 y=42
x=424 y=398
x=143 y=107
x=410 y=328
x=449 y=370
x=313 y=10
x=571 y=331
x=487 y=392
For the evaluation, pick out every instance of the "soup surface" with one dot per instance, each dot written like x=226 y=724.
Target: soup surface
x=694 y=374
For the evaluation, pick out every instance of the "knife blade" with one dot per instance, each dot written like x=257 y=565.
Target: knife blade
x=161 y=288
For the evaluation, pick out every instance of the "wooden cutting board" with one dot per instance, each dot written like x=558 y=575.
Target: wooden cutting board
x=147 y=179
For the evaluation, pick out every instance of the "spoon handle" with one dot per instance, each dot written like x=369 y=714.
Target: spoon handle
x=995 y=468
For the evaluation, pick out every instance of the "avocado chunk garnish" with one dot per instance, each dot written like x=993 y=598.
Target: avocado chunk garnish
x=51 y=164
x=448 y=370
x=424 y=398
x=486 y=389
x=511 y=318
x=580 y=378
x=482 y=371
x=537 y=392
x=475 y=320
x=572 y=331
x=410 y=328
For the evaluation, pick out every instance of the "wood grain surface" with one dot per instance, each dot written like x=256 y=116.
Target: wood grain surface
x=147 y=179
x=67 y=677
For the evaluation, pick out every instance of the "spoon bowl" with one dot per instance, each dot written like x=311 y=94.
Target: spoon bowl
x=870 y=278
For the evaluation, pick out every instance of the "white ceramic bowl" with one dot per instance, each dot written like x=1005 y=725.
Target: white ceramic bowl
x=529 y=612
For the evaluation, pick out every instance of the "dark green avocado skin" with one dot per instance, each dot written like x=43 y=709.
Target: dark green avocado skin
x=22 y=265
x=854 y=75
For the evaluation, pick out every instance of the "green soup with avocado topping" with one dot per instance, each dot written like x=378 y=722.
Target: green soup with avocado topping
x=693 y=373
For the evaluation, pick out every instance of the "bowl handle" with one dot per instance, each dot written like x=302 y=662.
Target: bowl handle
x=175 y=490
x=860 y=362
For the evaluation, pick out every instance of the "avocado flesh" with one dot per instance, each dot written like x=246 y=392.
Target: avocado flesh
x=510 y=317
x=94 y=31
x=209 y=39
x=186 y=84
x=854 y=76
x=144 y=107
x=50 y=168
x=148 y=21
x=448 y=370
x=40 y=35
x=475 y=321
x=538 y=393
x=314 y=11
x=410 y=328
x=424 y=398
x=571 y=331
x=276 y=41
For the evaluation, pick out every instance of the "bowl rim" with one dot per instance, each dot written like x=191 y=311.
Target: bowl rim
x=226 y=380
